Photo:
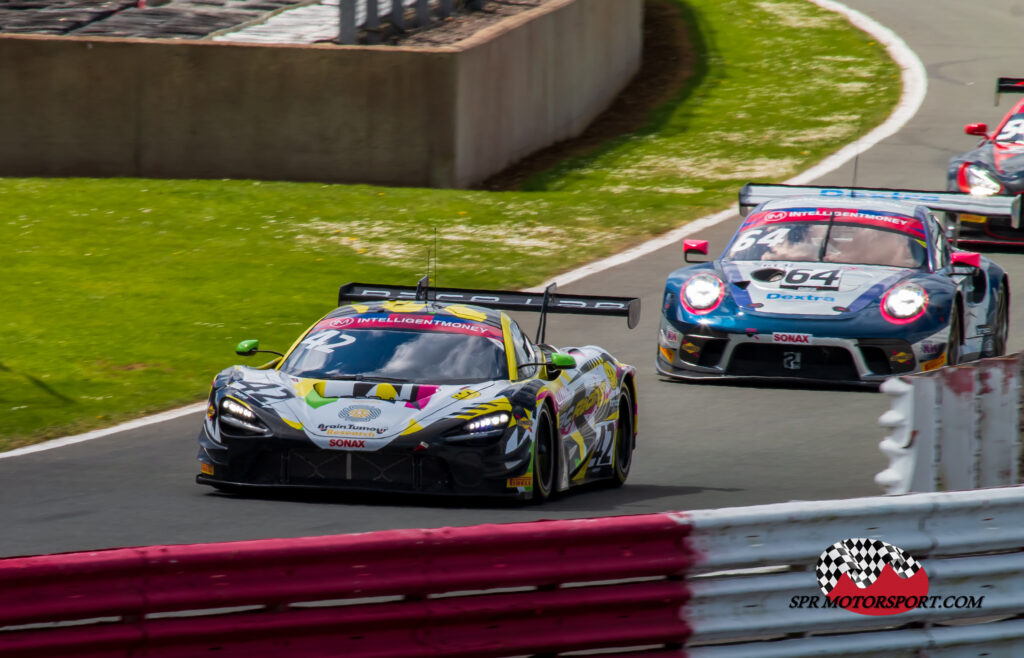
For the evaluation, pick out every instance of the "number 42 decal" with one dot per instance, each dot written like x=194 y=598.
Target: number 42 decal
x=604 y=444
x=811 y=278
x=325 y=341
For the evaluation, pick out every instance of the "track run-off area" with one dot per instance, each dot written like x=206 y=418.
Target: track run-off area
x=700 y=445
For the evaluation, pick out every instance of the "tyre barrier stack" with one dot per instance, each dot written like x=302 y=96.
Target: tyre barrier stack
x=711 y=584
x=955 y=428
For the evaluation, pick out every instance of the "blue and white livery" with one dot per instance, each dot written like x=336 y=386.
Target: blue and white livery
x=835 y=284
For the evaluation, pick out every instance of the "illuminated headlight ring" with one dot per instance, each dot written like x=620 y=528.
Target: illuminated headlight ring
x=904 y=303
x=977 y=180
x=702 y=293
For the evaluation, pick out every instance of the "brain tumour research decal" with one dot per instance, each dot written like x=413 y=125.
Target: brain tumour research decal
x=871 y=577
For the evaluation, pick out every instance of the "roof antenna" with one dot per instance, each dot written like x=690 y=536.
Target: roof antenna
x=422 y=288
x=543 y=326
x=435 y=263
x=423 y=285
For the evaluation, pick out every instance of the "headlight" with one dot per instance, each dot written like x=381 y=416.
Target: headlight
x=702 y=293
x=482 y=431
x=487 y=423
x=238 y=415
x=904 y=303
x=979 y=181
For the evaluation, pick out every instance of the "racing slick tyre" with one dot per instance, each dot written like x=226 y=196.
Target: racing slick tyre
x=625 y=439
x=955 y=337
x=545 y=457
x=1001 y=328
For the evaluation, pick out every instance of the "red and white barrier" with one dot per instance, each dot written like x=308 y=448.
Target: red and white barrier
x=956 y=428
x=679 y=582
x=392 y=593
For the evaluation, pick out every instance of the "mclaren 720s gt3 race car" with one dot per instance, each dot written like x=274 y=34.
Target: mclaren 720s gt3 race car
x=428 y=390
x=837 y=284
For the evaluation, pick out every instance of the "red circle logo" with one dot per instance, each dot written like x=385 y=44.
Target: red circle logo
x=776 y=215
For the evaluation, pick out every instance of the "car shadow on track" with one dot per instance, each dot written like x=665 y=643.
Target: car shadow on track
x=791 y=384
x=594 y=497
x=599 y=498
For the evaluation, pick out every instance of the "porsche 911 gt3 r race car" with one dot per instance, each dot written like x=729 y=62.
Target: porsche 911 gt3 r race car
x=994 y=167
x=409 y=389
x=838 y=284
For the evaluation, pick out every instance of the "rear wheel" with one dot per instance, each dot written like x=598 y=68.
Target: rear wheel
x=545 y=459
x=954 y=339
x=625 y=439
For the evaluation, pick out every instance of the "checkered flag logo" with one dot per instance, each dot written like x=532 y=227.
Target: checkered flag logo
x=864 y=560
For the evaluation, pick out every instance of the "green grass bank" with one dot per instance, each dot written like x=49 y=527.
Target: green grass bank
x=123 y=297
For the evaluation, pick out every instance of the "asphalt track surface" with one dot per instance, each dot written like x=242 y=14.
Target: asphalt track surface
x=700 y=446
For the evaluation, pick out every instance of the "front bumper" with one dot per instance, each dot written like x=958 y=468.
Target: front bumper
x=691 y=353
x=274 y=463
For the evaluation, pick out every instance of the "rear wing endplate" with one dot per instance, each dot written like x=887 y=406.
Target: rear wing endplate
x=1009 y=86
x=752 y=195
x=506 y=300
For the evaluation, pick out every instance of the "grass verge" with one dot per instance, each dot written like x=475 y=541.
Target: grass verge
x=124 y=296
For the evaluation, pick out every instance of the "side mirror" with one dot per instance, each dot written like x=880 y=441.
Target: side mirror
x=694 y=247
x=557 y=364
x=252 y=346
x=248 y=347
x=968 y=259
x=563 y=361
x=979 y=129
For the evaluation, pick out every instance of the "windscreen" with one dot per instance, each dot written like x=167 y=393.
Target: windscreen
x=826 y=236
x=374 y=350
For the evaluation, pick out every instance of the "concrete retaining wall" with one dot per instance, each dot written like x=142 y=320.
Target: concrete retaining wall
x=541 y=78
x=398 y=116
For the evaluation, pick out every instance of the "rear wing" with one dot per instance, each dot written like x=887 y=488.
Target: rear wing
x=506 y=300
x=752 y=195
x=1009 y=86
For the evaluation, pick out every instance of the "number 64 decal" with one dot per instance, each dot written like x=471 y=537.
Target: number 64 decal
x=805 y=278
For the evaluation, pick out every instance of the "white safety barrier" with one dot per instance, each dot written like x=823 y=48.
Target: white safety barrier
x=720 y=583
x=753 y=563
x=956 y=428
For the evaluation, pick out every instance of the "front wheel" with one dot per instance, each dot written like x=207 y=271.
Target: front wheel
x=954 y=339
x=545 y=457
x=625 y=439
x=1001 y=327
